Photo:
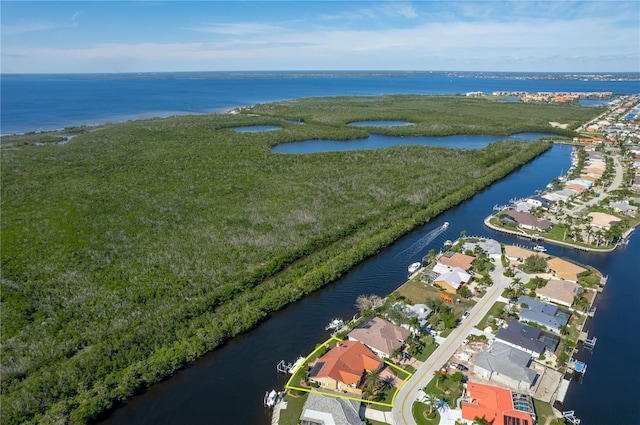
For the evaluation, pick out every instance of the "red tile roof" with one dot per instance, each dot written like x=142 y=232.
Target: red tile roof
x=347 y=362
x=492 y=403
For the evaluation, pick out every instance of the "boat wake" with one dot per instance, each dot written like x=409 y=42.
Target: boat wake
x=421 y=243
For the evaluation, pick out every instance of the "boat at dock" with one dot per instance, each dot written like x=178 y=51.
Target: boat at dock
x=414 y=267
x=335 y=325
x=271 y=398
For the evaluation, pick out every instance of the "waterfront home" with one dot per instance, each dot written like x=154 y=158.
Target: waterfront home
x=380 y=336
x=490 y=246
x=322 y=409
x=559 y=292
x=603 y=220
x=450 y=278
x=563 y=195
x=499 y=406
x=624 y=207
x=455 y=259
x=517 y=254
x=343 y=367
x=523 y=337
x=506 y=365
x=525 y=220
x=563 y=269
x=544 y=314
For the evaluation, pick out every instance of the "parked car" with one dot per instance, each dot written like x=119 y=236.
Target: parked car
x=462 y=367
x=454 y=365
x=465 y=315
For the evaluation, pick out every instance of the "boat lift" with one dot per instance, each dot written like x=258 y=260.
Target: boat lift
x=285 y=367
x=570 y=416
x=589 y=344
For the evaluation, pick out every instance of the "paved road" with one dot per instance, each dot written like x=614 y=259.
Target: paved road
x=406 y=396
x=615 y=185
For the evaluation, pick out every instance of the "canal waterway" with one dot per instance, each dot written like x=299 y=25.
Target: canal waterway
x=227 y=386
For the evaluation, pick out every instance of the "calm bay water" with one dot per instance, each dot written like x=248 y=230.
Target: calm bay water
x=227 y=385
x=46 y=102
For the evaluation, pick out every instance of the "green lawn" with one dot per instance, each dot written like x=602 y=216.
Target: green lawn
x=420 y=412
x=494 y=311
x=291 y=415
x=543 y=411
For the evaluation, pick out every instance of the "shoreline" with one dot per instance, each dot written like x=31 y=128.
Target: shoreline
x=541 y=238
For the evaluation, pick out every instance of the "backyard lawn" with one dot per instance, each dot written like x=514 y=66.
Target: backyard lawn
x=417 y=292
x=291 y=415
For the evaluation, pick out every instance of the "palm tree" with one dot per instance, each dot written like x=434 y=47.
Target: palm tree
x=431 y=400
x=440 y=377
x=481 y=421
x=372 y=380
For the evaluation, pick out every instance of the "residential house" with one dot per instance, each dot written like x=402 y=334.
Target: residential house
x=324 y=410
x=517 y=254
x=496 y=405
x=450 y=278
x=559 y=291
x=380 y=336
x=624 y=207
x=526 y=220
x=563 y=269
x=490 y=246
x=526 y=338
x=544 y=314
x=342 y=368
x=603 y=220
x=455 y=259
x=506 y=365
x=420 y=312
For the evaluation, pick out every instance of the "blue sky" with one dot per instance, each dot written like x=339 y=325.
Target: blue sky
x=154 y=36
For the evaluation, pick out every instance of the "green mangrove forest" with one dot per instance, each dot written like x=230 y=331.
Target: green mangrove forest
x=137 y=247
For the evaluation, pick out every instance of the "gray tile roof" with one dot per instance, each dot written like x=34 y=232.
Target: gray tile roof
x=522 y=335
x=508 y=361
x=321 y=409
x=544 y=314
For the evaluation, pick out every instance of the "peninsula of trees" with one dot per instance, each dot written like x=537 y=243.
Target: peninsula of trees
x=137 y=247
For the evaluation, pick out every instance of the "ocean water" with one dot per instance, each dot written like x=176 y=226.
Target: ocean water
x=48 y=102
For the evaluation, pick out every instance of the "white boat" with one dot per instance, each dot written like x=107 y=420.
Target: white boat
x=445 y=225
x=540 y=248
x=271 y=398
x=414 y=267
x=334 y=325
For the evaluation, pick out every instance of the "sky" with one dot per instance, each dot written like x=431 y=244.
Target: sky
x=161 y=36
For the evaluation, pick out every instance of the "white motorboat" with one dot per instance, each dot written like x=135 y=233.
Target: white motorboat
x=414 y=267
x=540 y=248
x=445 y=225
x=334 y=325
x=271 y=398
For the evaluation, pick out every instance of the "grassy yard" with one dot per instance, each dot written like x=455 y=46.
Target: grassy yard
x=427 y=350
x=420 y=412
x=446 y=387
x=494 y=311
x=291 y=415
x=418 y=293
x=543 y=411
